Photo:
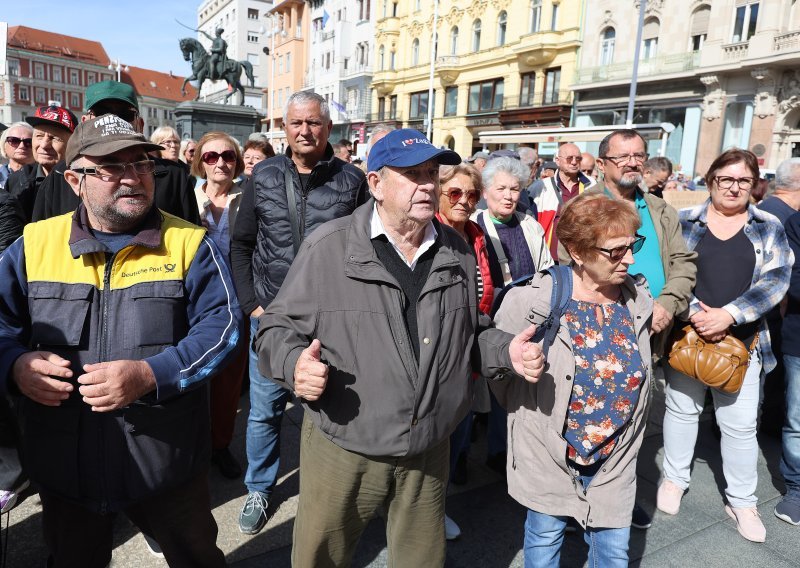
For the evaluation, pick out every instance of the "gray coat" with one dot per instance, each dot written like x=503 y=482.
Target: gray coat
x=538 y=475
x=379 y=400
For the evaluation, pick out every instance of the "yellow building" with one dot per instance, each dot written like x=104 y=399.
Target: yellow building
x=500 y=64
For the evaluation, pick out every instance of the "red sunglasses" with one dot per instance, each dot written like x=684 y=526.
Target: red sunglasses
x=211 y=157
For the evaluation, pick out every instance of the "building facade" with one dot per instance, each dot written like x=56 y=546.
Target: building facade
x=723 y=72
x=499 y=65
x=158 y=94
x=42 y=67
x=244 y=32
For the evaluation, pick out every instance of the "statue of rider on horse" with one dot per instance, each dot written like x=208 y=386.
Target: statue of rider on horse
x=216 y=66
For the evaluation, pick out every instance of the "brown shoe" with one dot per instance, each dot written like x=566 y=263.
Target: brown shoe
x=668 y=498
x=748 y=522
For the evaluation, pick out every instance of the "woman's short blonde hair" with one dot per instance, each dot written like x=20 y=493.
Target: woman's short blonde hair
x=446 y=173
x=163 y=133
x=592 y=218
x=185 y=144
x=6 y=132
x=197 y=161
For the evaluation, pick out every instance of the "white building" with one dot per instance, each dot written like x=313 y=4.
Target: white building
x=244 y=32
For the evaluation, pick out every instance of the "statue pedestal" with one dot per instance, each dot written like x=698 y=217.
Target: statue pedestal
x=193 y=119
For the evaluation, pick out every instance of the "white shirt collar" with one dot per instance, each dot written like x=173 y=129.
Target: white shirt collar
x=377 y=229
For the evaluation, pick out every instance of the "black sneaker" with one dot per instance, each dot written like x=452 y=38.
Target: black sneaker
x=152 y=546
x=788 y=510
x=227 y=464
x=254 y=513
x=640 y=519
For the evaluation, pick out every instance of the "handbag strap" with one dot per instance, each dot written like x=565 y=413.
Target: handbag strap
x=291 y=203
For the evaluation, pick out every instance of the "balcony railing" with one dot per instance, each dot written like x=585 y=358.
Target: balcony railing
x=673 y=63
x=734 y=51
x=787 y=42
x=447 y=61
x=356 y=69
x=538 y=100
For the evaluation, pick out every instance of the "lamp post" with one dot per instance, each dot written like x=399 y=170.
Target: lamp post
x=119 y=68
x=271 y=52
x=434 y=45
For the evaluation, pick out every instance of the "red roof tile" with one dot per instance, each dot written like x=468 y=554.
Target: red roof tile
x=149 y=83
x=57 y=45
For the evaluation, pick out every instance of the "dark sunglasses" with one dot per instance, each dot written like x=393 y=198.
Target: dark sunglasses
x=211 y=157
x=14 y=141
x=455 y=195
x=618 y=253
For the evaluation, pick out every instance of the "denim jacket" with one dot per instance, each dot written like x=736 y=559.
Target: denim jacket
x=771 y=274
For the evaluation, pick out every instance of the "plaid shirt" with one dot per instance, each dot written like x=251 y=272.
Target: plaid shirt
x=771 y=275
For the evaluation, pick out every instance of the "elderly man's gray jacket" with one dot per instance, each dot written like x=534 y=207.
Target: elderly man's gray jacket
x=379 y=400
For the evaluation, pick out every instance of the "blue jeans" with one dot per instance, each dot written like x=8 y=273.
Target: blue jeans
x=267 y=404
x=790 y=462
x=544 y=535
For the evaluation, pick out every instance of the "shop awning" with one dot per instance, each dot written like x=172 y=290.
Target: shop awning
x=652 y=131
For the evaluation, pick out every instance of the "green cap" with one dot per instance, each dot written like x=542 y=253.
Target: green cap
x=105 y=90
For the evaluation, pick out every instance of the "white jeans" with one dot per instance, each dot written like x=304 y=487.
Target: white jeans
x=737 y=415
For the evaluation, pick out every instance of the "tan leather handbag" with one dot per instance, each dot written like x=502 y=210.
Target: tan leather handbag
x=720 y=365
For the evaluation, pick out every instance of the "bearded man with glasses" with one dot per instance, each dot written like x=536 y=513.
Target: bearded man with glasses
x=174 y=189
x=115 y=318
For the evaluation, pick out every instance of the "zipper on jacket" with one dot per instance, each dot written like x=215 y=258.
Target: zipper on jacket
x=513 y=456
x=103 y=356
x=303 y=199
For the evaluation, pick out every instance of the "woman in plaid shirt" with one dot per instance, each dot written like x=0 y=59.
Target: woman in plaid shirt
x=743 y=267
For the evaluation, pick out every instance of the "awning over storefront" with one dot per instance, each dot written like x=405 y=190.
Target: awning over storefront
x=571 y=134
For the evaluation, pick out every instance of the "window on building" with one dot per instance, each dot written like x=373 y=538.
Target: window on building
x=536 y=16
x=527 y=97
x=381 y=57
x=252 y=14
x=486 y=96
x=38 y=71
x=57 y=75
x=502 y=22
x=454 y=40
x=13 y=67
x=394 y=9
x=24 y=95
x=392 y=60
x=252 y=37
x=280 y=64
x=58 y=97
x=415 y=52
x=650 y=39
x=476 y=35
x=289 y=62
x=419 y=106
x=607 y=46
x=554 y=18
x=382 y=108
x=91 y=78
x=738 y=122
x=363 y=10
x=744 y=23
x=393 y=107
x=40 y=96
x=417 y=5
x=74 y=77
x=385 y=8
x=451 y=101
x=75 y=100
x=699 y=29
x=552 y=80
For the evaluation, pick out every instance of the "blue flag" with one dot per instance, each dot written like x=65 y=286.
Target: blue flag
x=325 y=18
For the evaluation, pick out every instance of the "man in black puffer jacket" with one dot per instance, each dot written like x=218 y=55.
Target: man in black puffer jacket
x=316 y=187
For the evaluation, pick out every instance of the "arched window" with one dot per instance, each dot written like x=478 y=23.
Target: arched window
x=415 y=52
x=650 y=38
x=607 y=46
x=502 y=22
x=450 y=143
x=454 y=40
x=476 y=35
x=391 y=60
x=699 y=29
x=381 y=58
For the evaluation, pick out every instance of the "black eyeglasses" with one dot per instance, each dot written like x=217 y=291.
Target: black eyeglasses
x=114 y=172
x=616 y=254
x=637 y=158
x=455 y=195
x=725 y=182
x=126 y=114
x=15 y=141
x=211 y=157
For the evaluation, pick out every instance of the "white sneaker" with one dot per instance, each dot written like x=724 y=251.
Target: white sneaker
x=451 y=530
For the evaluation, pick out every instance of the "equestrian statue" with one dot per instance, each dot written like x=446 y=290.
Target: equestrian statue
x=216 y=66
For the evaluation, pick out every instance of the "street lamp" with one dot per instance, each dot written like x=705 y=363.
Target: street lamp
x=116 y=65
x=271 y=52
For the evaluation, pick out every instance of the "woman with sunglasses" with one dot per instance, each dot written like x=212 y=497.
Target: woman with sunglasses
x=217 y=162
x=744 y=265
x=187 y=149
x=16 y=144
x=574 y=435
x=517 y=248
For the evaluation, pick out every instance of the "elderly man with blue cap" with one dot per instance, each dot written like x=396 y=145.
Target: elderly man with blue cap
x=377 y=330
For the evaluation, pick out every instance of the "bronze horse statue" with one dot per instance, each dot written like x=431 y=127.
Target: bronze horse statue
x=193 y=50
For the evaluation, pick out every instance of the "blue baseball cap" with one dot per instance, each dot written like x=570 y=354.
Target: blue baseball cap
x=407 y=147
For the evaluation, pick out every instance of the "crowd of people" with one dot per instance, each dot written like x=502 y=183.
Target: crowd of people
x=146 y=284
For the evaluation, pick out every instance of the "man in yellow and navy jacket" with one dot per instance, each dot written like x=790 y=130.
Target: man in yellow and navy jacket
x=112 y=321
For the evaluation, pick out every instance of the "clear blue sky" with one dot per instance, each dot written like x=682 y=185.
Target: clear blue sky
x=141 y=33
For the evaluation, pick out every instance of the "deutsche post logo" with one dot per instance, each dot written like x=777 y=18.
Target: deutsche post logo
x=170 y=267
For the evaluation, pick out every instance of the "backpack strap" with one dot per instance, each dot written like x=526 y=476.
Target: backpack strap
x=559 y=300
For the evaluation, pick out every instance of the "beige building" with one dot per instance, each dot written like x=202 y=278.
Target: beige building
x=722 y=71
x=500 y=64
